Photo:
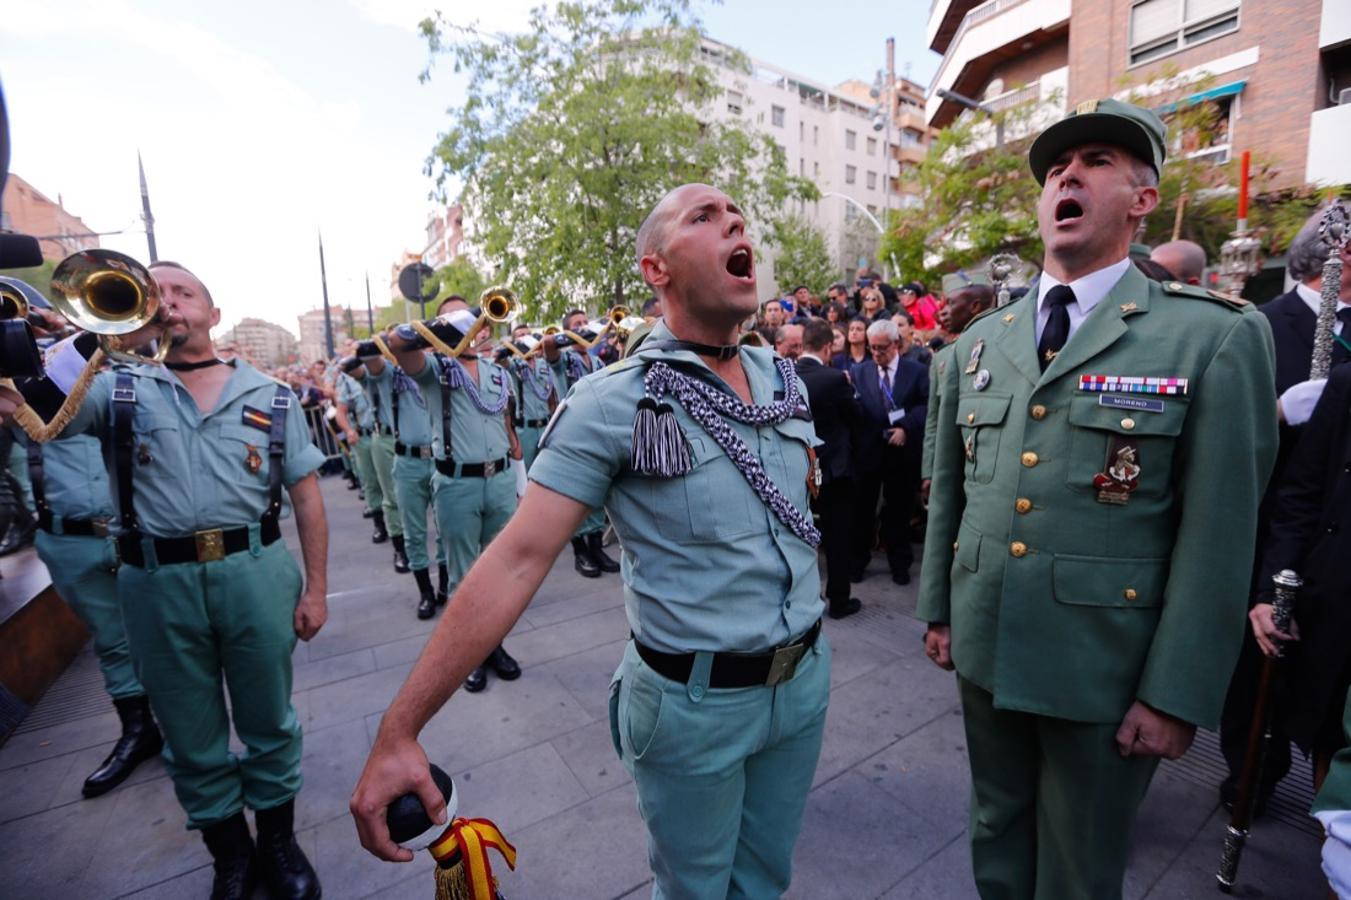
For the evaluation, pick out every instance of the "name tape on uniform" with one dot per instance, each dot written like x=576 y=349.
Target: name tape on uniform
x=1143 y=404
x=1133 y=384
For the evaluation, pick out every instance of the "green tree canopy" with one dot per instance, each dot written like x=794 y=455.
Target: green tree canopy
x=803 y=257
x=571 y=132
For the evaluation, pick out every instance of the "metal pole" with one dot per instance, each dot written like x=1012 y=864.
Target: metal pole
x=145 y=211
x=370 y=316
x=328 y=316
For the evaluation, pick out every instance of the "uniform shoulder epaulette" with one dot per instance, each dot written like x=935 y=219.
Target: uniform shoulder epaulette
x=998 y=309
x=627 y=362
x=1178 y=289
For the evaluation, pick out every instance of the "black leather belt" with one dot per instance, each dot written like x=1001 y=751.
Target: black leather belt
x=736 y=670
x=414 y=452
x=533 y=423
x=452 y=469
x=78 y=527
x=204 y=546
x=379 y=429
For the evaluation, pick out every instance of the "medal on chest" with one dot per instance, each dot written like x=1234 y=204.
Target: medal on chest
x=143 y=456
x=973 y=364
x=1121 y=474
x=254 y=461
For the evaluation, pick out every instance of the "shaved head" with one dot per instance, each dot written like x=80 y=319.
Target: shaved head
x=1184 y=259
x=652 y=233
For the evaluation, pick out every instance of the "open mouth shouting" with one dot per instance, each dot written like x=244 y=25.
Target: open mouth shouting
x=1068 y=211
x=741 y=263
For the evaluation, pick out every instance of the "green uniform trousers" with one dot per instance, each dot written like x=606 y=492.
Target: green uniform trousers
x=18 y=467
x=84 y=573
x=413 y=484
x=469 y=513
x=193 y=625
x=1052 y=803
x=722 y=774
x=370 y=485
x=594 y=521
x=529 y=438
x=382 y=466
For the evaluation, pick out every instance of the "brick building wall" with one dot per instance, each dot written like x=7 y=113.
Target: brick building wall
x=29 y=211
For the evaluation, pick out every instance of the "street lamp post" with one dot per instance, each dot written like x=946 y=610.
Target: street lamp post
x=978 y=107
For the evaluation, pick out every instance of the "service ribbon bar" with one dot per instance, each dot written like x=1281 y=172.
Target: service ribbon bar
x=1133 y=384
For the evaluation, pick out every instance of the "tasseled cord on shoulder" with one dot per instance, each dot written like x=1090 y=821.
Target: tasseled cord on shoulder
x=659 y=446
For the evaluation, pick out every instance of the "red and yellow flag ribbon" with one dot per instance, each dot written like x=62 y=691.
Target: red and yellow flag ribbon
x=472 y=838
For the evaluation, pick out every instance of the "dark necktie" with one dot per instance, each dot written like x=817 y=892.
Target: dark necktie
x=1339 y=353
x=886 y=382
x=1057 y=330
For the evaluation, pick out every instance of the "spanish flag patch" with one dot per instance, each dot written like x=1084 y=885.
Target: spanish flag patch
x=256 y=418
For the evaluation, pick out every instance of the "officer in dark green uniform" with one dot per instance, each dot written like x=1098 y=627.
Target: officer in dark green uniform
x=1332 y=807
x=569 y=364
x=968 y=294
x=201 y=450
x=1090 y=436
x=76 y=523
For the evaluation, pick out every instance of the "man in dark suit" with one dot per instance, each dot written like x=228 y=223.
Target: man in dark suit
x=894 y=394
x=1292 y=317
x=836 y=414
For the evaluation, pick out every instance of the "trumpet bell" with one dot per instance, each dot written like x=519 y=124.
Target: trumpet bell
x=500 y=304
x=13 y=304
x=618 y=314
x=104 y=292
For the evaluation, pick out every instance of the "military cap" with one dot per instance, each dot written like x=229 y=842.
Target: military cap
x=1140 y=131
x=961 y=280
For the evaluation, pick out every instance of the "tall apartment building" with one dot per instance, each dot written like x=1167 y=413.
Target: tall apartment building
x=827 y=135
x=263 y=343
x=312 y=342
x=29 y=211
x=1277 y=71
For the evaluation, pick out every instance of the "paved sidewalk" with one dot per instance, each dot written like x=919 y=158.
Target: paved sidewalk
x=886 y=817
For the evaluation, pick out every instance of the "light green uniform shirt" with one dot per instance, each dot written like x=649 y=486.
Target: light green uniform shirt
x=528 y=376
x=191 y=471
x=352 y=394
x=474 y=436
x=75 y=478
x=706 y=565
x=379 y=389
x=414 y=421
x=562 y=369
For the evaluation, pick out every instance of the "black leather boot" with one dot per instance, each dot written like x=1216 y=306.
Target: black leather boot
x=352 y=483
x=506 y=668
x=442 y=584
x=286 y=872
x=477 y=680
x=235 y=864
x=400 y=555
x=426 y=607
x=379 y=536
x=140 y=741
x=582 y=560
x=598 y=553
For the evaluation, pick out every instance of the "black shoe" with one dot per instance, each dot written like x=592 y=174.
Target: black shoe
x=477 y=680
x=442 y=584
x=900 y=577
x=847 y=608
x=598 y=554
x=582 y=560
x=426 y=607
x=236 y=867
x=379 y=536
x=140 y=741
x=352 y=483
x=367 y=513
x=856 y=576
x=285 y=870
x=400 y=555
x=506 y=668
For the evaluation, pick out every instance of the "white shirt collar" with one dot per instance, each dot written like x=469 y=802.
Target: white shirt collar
x=1313 y=299
x=1088 y=290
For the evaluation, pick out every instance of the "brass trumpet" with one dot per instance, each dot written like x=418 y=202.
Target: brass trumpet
x=593 y=331
x=496 y=305
x=109 y=294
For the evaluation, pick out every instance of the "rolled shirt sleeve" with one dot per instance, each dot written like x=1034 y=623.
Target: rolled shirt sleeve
x=579 y=456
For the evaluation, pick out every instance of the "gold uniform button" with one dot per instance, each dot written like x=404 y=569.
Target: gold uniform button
x=1129 y=594
x=955 y=545
x=1128 y=423
x=1038 y=412
x=1030 y=459
x=1018 y=549
x=970 y=417
x=1023 y=505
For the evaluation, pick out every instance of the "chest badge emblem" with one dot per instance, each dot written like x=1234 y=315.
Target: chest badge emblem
x=1121 y=476
x=253 y=462
x=973 y=364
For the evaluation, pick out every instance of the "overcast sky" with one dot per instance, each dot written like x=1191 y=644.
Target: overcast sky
x=261 y=123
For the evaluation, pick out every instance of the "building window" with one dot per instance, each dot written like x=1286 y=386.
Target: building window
x=816 y=170
x=776 y=116
x=801 y=167
x=734 y=102
x=1213 y=140
x=872 y=181
x=872 y=209
x=850 y=139
x=1160 y=27
x=872 y=146
x=802 y=132
x=816 y=134
x=850 y=174
x=850 y=213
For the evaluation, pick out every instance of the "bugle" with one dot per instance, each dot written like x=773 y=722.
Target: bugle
x=108 y=294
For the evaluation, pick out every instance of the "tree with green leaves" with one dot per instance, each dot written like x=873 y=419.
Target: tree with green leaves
x=571 y=132
x=802 y=256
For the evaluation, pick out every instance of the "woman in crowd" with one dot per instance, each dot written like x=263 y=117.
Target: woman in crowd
x=856 y=345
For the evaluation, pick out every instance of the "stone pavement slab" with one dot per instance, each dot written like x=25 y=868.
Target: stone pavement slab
x=886 y=816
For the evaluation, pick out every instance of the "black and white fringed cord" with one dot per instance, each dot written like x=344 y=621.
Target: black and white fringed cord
x=458 y=377
x=541 y=387
x=660 y=448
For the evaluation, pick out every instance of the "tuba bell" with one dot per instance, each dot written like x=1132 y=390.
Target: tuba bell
x=109 y=294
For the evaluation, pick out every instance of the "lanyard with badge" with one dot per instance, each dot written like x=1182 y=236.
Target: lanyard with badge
x=894 y=415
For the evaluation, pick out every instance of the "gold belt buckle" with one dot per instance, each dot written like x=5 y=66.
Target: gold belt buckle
x=784 y=664
x=210 y=545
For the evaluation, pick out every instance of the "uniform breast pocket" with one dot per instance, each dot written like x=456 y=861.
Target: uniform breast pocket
x=797 y=437
x=156 y=442
x=1111 y=446
x=981 y=419
x=248 y=446
x=708 y=504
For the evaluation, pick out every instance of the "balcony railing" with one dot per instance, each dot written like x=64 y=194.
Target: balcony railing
x=974 y=17
x=1010 y=99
